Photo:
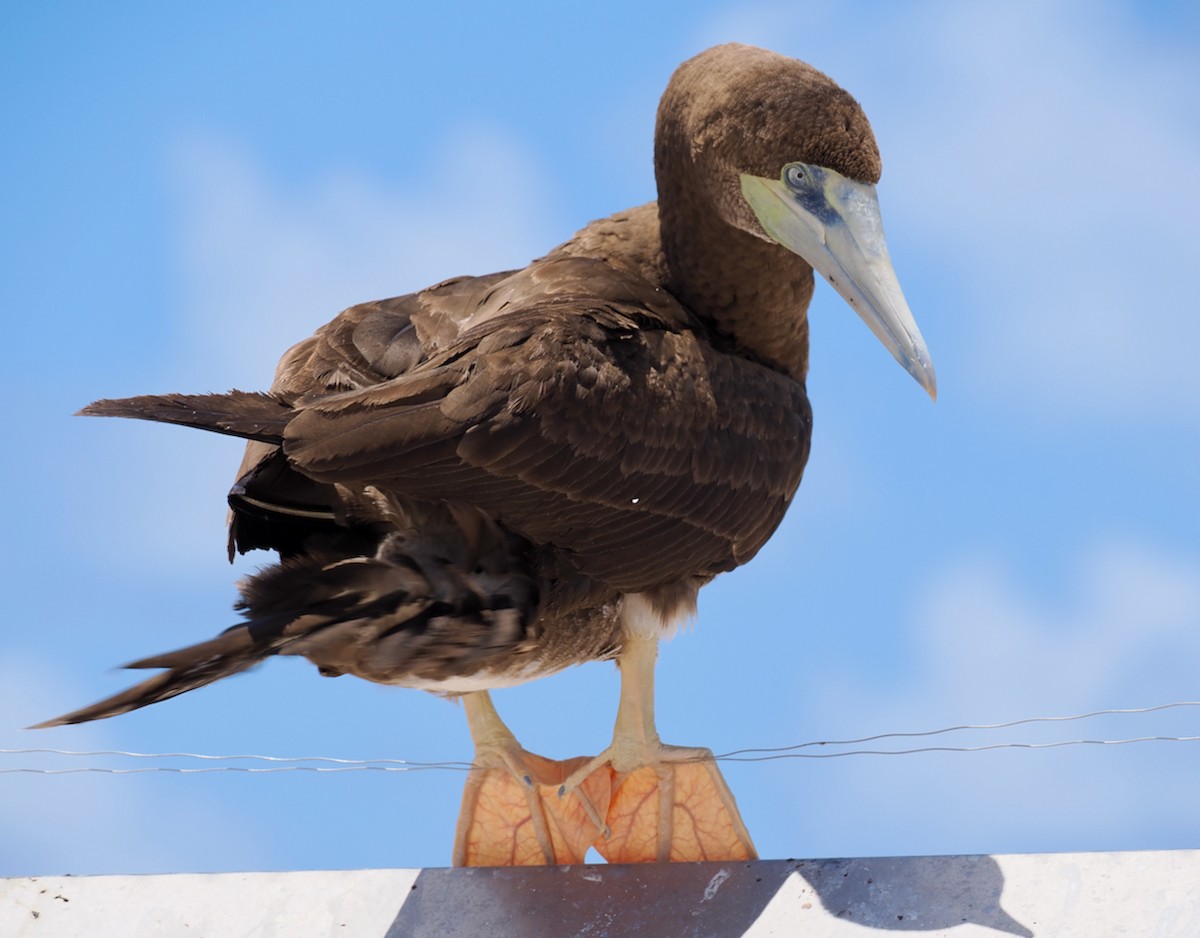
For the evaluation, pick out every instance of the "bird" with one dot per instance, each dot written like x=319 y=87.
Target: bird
x=501 y=476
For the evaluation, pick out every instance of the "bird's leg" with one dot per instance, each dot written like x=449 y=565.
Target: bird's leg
x=669 y=803
x=511 y=812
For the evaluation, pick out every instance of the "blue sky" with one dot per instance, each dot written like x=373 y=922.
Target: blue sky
x=190 y=189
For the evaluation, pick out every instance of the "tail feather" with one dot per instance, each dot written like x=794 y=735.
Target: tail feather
x=190 y=668
x=251 y=415
x=397 y=614
x=235 y=642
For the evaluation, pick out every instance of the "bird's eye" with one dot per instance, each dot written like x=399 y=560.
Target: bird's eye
x=796 y=176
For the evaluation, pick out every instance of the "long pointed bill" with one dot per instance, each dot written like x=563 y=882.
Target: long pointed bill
x=834 y=224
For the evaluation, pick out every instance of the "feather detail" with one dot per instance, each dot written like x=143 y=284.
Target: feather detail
x=251 y=415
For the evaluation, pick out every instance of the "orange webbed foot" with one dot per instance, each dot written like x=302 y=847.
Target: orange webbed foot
x=678 y=808
x=512 y=813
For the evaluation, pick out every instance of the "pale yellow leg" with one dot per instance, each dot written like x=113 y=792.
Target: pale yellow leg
x=512 y=814
x=669 y=803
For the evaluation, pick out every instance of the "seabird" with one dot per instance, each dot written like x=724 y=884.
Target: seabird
x=497 y=477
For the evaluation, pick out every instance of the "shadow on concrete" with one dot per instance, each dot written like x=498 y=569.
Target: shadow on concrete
x=913 y=893
x=700 y=899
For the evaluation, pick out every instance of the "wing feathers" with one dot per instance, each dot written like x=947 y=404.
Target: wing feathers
x=250 y=415
x=611 y=429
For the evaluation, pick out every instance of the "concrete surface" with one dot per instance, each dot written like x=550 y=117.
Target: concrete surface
x=1152 y=894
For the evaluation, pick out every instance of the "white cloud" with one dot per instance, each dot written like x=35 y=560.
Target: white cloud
x=1123 y=619
x=1118 y=630
x=988 y=645
x=1058 y=185
x=264 y=263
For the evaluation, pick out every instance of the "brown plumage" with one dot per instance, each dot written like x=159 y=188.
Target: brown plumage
x=464 y=484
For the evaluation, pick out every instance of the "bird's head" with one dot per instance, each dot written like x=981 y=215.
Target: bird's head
x=781 y=152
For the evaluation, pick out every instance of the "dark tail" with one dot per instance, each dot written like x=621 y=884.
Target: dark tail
x=190 y=668
x=246 y=414
x=385 y=613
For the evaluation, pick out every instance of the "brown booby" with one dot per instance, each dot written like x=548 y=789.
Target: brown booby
x=484 y=482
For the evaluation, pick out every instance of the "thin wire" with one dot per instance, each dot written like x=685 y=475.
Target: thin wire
x=466 y=766
x=908 y=752
x=196 y=755
x=729 y=756
x=330 y=764
x=249 y=770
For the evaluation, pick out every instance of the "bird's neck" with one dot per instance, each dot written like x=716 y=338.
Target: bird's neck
x=754 y=293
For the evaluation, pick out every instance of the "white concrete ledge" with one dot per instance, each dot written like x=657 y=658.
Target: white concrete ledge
x=1059 y=895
